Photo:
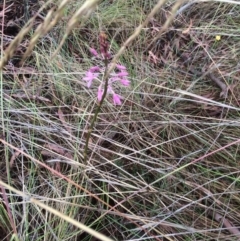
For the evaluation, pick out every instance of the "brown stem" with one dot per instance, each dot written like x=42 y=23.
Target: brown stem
x=105 y=79
x=222 y=85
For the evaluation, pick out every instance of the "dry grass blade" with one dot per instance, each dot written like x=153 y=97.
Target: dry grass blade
x=51 y=210
x=8 y=53
x=4 y=11
x=81 y=14
x=61 y=117
x=135 y=35
x=163 y=165
x=227 y=224
x=41 y=30
x=169 y=20
x=8 y=208
x=52 y=18
x=14 y=156
x=14 y=45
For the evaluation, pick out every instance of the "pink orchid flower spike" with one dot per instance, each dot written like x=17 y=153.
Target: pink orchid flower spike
x=90 y=77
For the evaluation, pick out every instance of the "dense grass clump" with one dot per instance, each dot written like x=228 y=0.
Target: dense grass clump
x=163 y=165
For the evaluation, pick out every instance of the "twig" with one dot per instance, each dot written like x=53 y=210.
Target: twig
x=222 y=85
x=184 y=7
x=226 y=223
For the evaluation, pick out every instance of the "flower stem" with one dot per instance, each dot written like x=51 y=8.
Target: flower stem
x=105 y=80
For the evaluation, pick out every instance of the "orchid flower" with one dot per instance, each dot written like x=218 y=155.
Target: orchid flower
x=117 y=99
x=120 y=76
x=90 y=76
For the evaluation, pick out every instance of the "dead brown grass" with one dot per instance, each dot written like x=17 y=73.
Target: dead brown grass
x=164 y=165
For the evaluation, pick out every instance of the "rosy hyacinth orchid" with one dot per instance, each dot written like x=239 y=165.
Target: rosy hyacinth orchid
x=90 y=77
x=119 y=76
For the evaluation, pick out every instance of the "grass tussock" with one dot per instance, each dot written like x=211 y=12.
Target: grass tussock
x=162 y=166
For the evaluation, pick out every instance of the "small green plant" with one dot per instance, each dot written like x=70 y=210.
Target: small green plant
x=106 y=82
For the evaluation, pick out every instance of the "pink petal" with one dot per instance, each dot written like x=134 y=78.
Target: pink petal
x=120 y=67
x=100 y=93
x=89 y=74
x=108 y=55
x=89 y=83
x=125 y=82
x=89 y=78
x=122 y=73
x=114 y=79
x=117 y=99
x=94 y=68
x=93 y=51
